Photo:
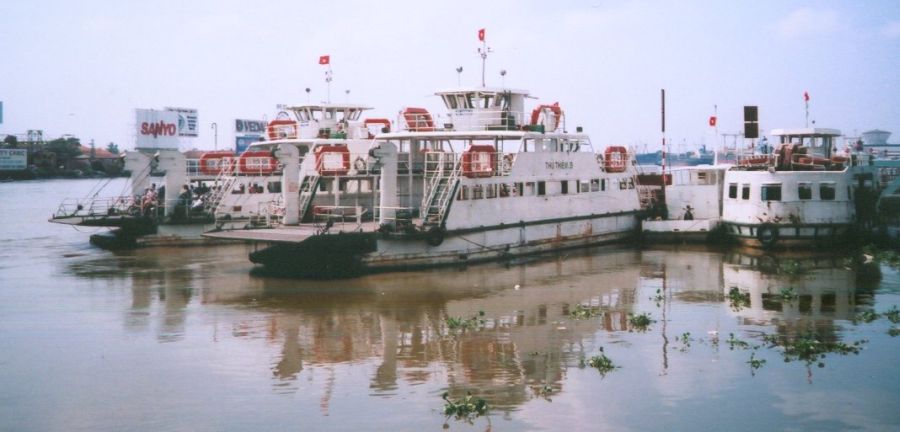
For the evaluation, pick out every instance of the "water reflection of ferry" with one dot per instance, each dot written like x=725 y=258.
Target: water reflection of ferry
x=388 y=332
x=797 y=293
x=399 y=322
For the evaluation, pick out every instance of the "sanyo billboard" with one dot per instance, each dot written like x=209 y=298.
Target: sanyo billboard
x=156 y=129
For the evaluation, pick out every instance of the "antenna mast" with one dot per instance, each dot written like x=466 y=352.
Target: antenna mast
x=484 y=50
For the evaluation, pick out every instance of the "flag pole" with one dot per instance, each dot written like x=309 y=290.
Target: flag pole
x=663 y=123
x=716 y=142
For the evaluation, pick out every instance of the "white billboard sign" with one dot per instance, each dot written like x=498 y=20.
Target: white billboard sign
x=188 y=126
x=13 y=159
x=156 y=129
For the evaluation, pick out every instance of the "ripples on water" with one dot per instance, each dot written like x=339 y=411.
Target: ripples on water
x=187 y=338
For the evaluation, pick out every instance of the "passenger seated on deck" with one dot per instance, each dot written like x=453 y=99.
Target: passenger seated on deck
x=148 y=201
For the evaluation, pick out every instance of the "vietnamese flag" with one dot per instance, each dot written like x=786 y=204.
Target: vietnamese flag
x=325 y=59
x=712 y=120
x=481 y=35
x=806 y=96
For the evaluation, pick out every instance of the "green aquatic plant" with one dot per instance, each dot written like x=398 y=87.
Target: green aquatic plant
x=792 y=267
x=685 y=339
x=755 y=363
x=866 y=317
x=787 y=294
x=543 y=391
x=581 y=312
x=659 y=297
x=465 y=408
x=811 y=348
x=462 y=324
x=600 y=362
x=734 y=342
x=737 y=299
x=871 y=253
x=893 y=315
x=894 y=331
x=640 y=322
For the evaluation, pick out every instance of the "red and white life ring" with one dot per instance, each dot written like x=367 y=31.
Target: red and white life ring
x=479 y=161
x=615 y=159
x=212 y=163
x=257 y=162
x=332 y=159
x=555 y=109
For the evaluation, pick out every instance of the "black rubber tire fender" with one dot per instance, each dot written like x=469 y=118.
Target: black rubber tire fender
x=767 y=234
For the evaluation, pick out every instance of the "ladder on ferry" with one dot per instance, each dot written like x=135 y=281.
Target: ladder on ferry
x=308 y=188
x=224 y=182
x=441 y=188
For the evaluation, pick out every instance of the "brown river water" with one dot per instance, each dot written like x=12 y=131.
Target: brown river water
x=188 y=339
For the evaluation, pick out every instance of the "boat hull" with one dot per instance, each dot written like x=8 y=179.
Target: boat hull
x=352 y=254
x=780 y=236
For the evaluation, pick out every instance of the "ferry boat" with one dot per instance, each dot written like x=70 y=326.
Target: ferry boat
x=693 y=203
x=233 y=191
x=487 y=184
x=803 y=194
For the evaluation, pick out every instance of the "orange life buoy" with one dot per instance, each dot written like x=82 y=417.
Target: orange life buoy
x=212 y=163
x=418 y=119
x=555 y=109
x=479 y=161
x=332 y=159
x=614 y=159
x=257 y=162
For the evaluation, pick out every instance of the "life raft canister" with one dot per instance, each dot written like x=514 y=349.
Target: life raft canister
x=332 y=159
x=386 y=125
x=257 y=162
x=555 y=109
x=281 y=128
x=418 y=119
x=212 y=163
x=479 y=161
x=614 y=159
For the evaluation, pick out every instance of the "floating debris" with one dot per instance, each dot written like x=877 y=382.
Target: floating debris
x=466 y=408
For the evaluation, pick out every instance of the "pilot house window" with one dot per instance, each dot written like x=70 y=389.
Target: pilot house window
x=771 y=192
x=732 y=190
x=804 y=191
x=827 y=191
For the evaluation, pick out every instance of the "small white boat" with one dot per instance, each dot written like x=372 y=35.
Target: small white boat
x=802 y=194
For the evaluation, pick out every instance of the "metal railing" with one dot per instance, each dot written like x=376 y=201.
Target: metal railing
x=474 y=120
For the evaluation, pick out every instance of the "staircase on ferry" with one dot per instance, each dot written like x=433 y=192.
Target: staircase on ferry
x=444 y=177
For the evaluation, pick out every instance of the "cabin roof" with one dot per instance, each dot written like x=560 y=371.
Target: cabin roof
x=478 y=135
x=327 y=106
x=481 y=89
x=806 y=132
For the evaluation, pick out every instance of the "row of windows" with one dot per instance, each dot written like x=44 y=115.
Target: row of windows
x=539 y=188
x=772 y=191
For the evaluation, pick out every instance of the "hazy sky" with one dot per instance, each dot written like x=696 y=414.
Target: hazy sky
x=81 y=67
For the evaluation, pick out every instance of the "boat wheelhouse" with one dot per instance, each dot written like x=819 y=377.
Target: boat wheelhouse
x=331 y=143
x=803 y=193
x=502 y=187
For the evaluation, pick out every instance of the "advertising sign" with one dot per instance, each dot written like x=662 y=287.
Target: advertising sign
x=13 y=159
x=188 y=126
x=256 y=127
x=156 y=129
x=242 y=142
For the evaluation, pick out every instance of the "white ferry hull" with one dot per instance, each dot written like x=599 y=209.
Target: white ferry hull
x=789 y=236
x=352 y=254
